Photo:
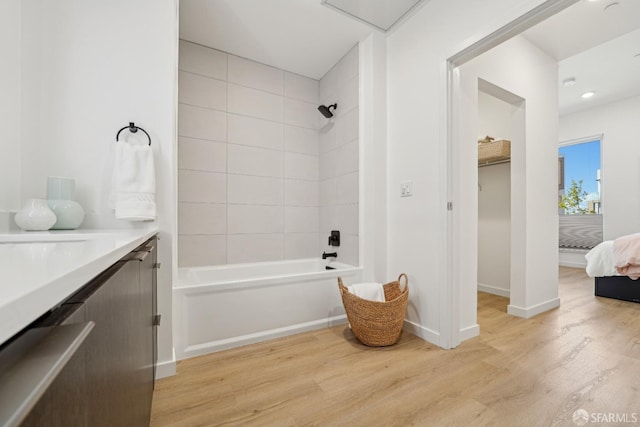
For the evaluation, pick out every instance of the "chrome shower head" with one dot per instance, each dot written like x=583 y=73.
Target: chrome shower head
x=326 y=111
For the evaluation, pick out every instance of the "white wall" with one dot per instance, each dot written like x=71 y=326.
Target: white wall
x=10 y=105
x=248 y=162
x=619 y=124
x=417 y=147
x=88 y=68
x=494 y=201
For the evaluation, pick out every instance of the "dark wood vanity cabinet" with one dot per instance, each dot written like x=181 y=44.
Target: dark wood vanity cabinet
x=109 y=382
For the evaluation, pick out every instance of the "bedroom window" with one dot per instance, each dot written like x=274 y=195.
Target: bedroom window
x=579 y=178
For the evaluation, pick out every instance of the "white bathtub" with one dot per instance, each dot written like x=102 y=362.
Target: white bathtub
x=227 y=306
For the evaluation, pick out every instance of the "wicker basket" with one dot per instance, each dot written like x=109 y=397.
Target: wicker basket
x=494 y=151
x=374 y=323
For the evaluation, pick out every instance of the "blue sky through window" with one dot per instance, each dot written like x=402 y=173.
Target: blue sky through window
x=581 y=162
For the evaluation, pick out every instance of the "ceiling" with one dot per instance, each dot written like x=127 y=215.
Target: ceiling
x=308 y=38
x=595 y=44
x=300 y=36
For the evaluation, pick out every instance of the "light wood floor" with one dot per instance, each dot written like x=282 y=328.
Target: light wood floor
x=518 y=372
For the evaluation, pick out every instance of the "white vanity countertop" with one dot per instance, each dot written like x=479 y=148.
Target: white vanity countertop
x=40 y=269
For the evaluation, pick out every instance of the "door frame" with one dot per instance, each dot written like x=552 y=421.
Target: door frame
x=454 y=222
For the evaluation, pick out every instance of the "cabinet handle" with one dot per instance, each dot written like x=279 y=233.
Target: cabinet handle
x=157 y=265
x=42 y=354
x=136 y=256
x=156 y=319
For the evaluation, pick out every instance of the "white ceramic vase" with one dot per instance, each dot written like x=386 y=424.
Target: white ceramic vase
x=35 y=215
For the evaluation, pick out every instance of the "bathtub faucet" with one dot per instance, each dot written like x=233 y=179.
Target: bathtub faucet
x=329 y=255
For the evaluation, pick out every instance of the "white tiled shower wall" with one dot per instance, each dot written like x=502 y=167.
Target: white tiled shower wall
x=339 y=157
x=249 y=161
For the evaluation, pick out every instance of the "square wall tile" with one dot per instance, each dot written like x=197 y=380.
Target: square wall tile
x=301 y=193
x=243 y=160
x=254 y=103
x=255 y=132
x=301 y=166
x=202 y=155
x=301 y=219
x=255 y=75
x=347 y=157
x=202 y=60
x=328 y=87
x=348 y=66
x=255 y=190
x=202 y=218
x=328 y=192
x=327 y=137
x=347 y=191
x=301 y=245
x=301 y=140
x=255 y=248
x=202 y=187
x=348 y=96
x=328 y=165
x=301 y=88
x=349 y=250
x=194 y=89
x=248 y=219
x=348 y=127
x=346 y=218
x=199 y=251
x=342 y=217
x=301 y=113
x=198 y=122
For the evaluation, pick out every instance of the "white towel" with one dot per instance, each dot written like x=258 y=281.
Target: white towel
x=370 y=291
x=134 y=182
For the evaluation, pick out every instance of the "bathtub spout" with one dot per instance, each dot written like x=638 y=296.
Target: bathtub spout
x=329 y=255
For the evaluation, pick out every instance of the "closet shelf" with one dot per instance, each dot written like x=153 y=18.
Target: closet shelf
x=492 y=152
x=494 y=162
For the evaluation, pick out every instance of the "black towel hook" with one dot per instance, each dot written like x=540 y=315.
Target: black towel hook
x=133 y=129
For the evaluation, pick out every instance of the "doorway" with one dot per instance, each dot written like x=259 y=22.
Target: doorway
x=533 y=242
x=498 y=124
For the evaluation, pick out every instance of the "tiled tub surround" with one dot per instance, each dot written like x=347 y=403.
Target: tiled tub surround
x=339 y=176
x=250 y=162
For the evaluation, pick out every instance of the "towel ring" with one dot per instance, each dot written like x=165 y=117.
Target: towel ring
x=133 y=129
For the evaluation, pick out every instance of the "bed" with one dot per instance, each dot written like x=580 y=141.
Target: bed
x=616 y=282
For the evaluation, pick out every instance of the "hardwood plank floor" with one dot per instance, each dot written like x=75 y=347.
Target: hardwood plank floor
x=518 y=372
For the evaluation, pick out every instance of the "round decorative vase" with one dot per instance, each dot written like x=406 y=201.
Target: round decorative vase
x=60 y=192
x=35 y=215
x=69 y=214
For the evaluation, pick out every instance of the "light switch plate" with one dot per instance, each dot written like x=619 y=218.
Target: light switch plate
x=406 y=188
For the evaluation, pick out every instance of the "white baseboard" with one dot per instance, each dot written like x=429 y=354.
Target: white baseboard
x=469 y=332
x=166 y=368
x=572 y=258
x=493 y=290
x=533 y=310
x=213 y=346
x=422 y=332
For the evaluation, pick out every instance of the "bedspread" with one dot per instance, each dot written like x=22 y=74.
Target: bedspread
x=626 y=251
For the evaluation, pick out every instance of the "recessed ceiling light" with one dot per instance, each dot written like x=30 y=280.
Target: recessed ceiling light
x=588 y=94
x=569 y=82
